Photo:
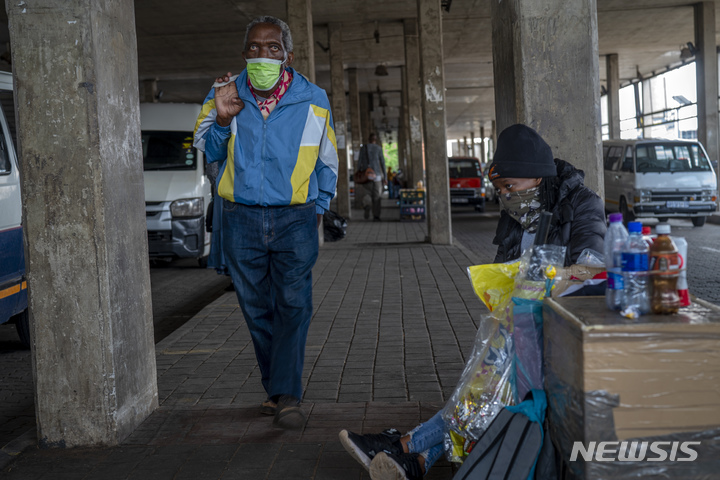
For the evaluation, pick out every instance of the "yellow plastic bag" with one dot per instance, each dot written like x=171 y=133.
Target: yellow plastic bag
x=494 y=282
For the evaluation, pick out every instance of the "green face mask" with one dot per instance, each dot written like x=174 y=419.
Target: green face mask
x=263 y=72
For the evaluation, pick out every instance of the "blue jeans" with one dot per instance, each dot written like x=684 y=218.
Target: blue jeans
x=270 y=253
x=427 y=439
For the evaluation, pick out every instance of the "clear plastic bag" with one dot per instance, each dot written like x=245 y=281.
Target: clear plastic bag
x=527 y=372
x=487 y=383
x=591 y=257
x=484 y=389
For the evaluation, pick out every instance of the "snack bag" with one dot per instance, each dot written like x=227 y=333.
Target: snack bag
x=493 y=282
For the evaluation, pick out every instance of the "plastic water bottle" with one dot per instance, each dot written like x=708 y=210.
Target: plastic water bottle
x=636 y=300
x=615 y=239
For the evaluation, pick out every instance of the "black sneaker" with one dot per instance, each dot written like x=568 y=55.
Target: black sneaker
x=392 y=466
x=363 y=448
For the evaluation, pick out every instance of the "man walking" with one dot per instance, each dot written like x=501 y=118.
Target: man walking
x=272 y=133
x=371 y=155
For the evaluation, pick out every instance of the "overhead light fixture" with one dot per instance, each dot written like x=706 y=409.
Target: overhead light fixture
x=682 y=100
x=688 y=51
x=381 y=70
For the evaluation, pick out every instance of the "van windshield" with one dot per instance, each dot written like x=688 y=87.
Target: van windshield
x=168 y=151
x=465 y=168
x=669 y=157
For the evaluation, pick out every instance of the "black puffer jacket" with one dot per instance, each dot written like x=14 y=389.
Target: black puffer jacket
x=578 y=220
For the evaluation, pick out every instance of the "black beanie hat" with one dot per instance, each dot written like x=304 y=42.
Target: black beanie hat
x=522 y=153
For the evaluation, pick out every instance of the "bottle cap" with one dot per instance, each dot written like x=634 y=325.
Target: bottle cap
x=615 y=217
x=663 y=229
x=635 y=227
x=646 y=230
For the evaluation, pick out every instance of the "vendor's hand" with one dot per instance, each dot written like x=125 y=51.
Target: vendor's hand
x=227 y=102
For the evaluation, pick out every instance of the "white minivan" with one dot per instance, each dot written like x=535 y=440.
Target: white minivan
x=177 y=192
x=659 y=178
x=13 y=284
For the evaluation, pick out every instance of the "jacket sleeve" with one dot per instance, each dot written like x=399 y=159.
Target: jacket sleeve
x=210 y=137
x=588 y=225
x=326 y=167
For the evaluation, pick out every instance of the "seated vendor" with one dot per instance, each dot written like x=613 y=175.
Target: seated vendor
x=529 y=181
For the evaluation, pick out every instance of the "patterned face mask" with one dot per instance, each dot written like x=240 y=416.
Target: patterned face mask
x=524 y=207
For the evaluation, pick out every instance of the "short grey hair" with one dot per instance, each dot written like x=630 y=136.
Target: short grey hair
x=286 y=35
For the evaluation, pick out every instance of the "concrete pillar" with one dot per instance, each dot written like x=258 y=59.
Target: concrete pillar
x=337 y=81
x=365 y=121
x=493 y=137
x=354 y=105
x=472 y=144
x=412 y=66
x=150 y=91
x=482 y=145
x=433 y=106
x=613 y=95
x=299 y=19
x=356 y=127
x=77 y=98
x=365 y=128
x=639 y=117
x=706 y=65
x=546 y=69
x=466 y=151
x=403 y=133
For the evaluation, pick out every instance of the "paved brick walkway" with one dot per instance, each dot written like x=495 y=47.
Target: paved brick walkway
x=395 y=319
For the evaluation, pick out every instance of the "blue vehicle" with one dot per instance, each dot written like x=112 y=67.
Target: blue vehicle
x=13 y=285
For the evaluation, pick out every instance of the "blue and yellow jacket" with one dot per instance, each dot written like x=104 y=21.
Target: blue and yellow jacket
x=289 y=159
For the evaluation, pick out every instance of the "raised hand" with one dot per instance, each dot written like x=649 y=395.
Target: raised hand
x=227 y=102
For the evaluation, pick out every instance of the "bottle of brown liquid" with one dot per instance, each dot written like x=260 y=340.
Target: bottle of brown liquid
x=664 y=268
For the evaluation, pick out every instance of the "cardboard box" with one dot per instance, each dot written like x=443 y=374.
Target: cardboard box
x=580 y=272
x=609 y=378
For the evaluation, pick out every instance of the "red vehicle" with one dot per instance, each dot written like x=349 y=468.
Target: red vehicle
x=466 y=182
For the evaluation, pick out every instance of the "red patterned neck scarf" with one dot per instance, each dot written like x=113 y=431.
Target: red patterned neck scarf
x=267 y=105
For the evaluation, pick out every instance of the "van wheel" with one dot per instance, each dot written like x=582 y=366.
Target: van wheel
x=480 y=208
x=699 y=221
x=663 y=219
x=22 y=325
x=628 y=216
x=202 y=262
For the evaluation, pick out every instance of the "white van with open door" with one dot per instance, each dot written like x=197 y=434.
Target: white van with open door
x=177 y=192
x=659 y=178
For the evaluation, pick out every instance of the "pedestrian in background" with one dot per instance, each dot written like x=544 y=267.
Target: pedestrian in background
x=272 y=132
x=371 y=155
x=390 y=182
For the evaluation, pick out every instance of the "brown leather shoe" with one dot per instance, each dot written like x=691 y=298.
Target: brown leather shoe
x=289 y=415
x=268 y=407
